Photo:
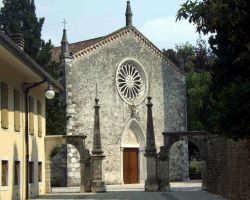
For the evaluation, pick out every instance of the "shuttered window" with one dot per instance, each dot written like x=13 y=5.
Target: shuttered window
x=31 y=172
x=17 y=172
x=4 y=106
x=31 y=115
x=16 y=110
x=39 y=118
x=5 y=173
x=40 y=171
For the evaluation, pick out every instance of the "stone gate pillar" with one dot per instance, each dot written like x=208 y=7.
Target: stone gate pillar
x=47 y=176
x=163 y=170
x=151 y=183
x=85 y=170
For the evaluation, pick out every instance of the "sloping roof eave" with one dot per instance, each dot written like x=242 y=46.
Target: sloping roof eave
x=28 y=61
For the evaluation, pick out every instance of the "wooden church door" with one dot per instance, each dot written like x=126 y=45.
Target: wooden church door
x=130 y=165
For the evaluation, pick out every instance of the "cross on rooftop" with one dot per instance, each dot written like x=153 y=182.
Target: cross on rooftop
x=64 y=23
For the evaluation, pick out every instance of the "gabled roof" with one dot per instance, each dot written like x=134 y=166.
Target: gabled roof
x=82 y=48
x=7 y=43
x=74 y=48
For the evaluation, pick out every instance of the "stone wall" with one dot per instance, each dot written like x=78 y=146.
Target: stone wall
x=228 y=168
x=167 y=89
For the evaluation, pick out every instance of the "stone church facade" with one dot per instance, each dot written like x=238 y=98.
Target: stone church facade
x=121 y=69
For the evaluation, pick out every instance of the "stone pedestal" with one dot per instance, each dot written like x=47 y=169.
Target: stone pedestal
x=151 y=183
x=98 y=184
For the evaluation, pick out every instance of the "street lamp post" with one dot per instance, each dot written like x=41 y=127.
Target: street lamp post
x=49 y=94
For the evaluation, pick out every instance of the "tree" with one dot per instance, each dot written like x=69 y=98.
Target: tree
x=55 y=108
x=18 y=16
x=228 y=110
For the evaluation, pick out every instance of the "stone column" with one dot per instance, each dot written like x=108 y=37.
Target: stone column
x=151 y=183
x=98 y=184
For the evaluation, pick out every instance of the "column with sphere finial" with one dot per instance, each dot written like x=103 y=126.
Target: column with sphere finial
x=151 y=183
x=98 y=184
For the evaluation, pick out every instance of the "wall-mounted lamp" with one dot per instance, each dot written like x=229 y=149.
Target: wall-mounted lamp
x=49 y=92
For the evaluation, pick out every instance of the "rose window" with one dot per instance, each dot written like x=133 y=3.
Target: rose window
x=129 y=82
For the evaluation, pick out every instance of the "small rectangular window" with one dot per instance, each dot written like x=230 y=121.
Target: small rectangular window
x=4 y=106
x=31 y=116
x=5 y=173
x=17 y=110
x=39 y=118
x=17 y=172
x=39 y=171
x=31 y=172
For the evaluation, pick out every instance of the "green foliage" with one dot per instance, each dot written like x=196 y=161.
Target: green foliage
x=55 y=108
x=186 y=54
x=230 y=111
x=228 y=21
x=18 y=16
x=56 y=116
x=198 y=84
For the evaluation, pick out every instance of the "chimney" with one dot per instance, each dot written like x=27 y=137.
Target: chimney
x=18 y=39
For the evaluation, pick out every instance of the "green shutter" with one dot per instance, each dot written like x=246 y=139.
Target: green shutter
x=17 y=110
x=4 y=106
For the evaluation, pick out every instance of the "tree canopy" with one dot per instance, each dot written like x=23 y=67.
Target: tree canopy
x=19 y=16
x=228 y=109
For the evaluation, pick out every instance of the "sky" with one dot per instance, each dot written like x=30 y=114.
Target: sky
x=88 y=19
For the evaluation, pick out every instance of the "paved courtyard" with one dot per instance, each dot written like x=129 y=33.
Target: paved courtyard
x=179 y=191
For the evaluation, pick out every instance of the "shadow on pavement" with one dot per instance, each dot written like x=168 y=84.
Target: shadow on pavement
x=118 y=195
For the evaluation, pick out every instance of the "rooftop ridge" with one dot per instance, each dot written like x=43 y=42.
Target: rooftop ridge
x=96 y=43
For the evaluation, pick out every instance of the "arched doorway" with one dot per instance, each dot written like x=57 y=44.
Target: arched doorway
x=132 y=153
x=78 y=141
x=198 y=138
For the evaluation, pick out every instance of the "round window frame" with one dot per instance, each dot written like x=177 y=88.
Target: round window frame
x=142 y=94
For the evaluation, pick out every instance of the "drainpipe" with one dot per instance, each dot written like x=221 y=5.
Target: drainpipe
x=27 y=88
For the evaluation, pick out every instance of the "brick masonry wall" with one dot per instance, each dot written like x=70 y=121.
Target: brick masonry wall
x=228 y=168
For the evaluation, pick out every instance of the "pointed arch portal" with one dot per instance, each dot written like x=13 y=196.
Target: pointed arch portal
x=132 y=153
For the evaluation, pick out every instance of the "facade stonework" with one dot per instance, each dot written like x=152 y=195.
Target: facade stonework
x=118 y=118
